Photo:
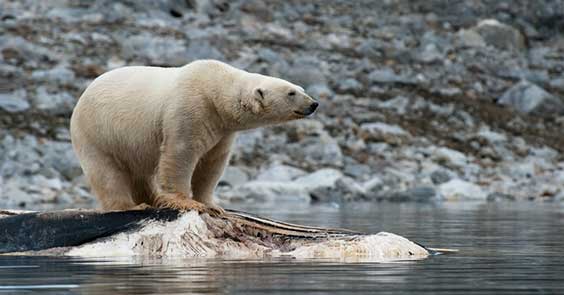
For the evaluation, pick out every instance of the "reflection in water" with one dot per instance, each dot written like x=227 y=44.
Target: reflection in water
x=505 y=248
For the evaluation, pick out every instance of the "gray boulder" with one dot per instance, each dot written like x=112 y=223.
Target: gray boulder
x=59 y=74
x=497 y=197
x=457 y=189
x=378 y=131
x=430 y=53
x=319 y=91
x=449 y=157
x=279 y=172
x=345 y=189
x=470 y=38
x=387 y=75
x=416 y=194
x=202 y=49
x=527 y=97
x=441 y=176
x=266 y=191
x=349 y=85
x=60 y=103
x=233 y=176
x=320 y=178
x=558 y=84
x=500 y=35
x=158 y=50
x=14 y=102
x=323 y=150
x=60 y=156
x=298 y=189
x=314 y=145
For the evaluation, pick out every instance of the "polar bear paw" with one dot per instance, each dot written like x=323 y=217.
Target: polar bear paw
x=182 y=202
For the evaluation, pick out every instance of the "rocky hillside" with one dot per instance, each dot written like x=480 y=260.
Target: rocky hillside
x=420 y=100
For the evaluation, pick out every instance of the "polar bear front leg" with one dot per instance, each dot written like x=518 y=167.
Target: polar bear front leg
x=175 y=170
x=209 y=170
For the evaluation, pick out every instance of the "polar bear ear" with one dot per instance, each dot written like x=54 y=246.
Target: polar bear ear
x=259 y=93
x=255 y=102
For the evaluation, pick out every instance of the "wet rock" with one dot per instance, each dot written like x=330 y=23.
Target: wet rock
x=527 y=97
x=457 y=189
x=416 y=194
x=497 y=197
x=14 y=102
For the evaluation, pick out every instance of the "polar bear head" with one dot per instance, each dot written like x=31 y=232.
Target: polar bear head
x=270 y=100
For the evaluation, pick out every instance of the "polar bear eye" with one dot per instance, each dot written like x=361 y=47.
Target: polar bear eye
x=292 y=93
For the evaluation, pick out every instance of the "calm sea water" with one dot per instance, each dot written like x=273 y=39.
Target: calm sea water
x=505 y=248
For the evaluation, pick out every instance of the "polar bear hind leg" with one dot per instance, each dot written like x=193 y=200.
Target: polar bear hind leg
x=111 y=185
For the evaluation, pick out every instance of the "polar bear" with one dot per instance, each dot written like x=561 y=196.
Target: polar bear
x=153 y=136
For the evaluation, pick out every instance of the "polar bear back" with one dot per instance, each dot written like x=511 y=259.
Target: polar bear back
x=121 y=111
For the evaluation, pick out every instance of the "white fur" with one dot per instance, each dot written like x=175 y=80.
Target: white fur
x=143 y=132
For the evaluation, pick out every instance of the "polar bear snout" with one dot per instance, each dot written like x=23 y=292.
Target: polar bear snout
x=309 y=110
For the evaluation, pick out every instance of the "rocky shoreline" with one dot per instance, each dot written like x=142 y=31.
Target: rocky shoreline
x=420 y=100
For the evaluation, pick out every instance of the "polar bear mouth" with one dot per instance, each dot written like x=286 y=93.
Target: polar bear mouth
x=304 y=114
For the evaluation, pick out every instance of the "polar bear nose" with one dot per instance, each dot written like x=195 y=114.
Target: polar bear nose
x=311 y=108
